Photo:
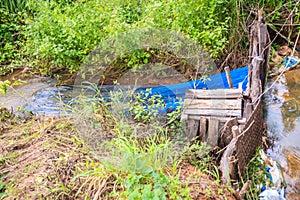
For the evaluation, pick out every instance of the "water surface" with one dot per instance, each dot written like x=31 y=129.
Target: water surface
x=282 y=115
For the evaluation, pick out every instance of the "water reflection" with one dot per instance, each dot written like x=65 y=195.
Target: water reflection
x=282 y=115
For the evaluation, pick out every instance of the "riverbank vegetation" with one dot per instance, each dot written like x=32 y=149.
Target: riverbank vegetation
x=61 y=158
x=55 y=36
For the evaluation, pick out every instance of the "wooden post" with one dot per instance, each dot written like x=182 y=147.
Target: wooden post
x=244 y=189
x=229 y=81
x=235 y=131
x=259 y=48
x=232 y=167
x=248 y=109
x=225 y=165
x=261 y=35
x=256 y=88
x=264 y=48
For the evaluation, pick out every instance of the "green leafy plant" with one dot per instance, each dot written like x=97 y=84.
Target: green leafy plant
x=4 y=85
x=145 y=106
x=12 y=40
x=62 y=36
x=2 y=190
x=13 y=5
x=153 y=185
x=256 y=173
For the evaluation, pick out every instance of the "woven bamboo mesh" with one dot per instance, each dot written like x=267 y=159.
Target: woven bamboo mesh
x=250 y=138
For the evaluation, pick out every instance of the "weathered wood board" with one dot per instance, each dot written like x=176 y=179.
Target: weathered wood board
x=212 y=112
x=191 y=128
x=213 y=132
x=205 y=111
x=216 y=104
x=214 y=94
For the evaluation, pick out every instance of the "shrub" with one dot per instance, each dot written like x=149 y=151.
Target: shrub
x=61 y=35
x=11 y=39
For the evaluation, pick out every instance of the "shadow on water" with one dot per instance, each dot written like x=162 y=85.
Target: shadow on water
x=282 y=115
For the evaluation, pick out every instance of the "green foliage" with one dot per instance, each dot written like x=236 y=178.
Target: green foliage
x=174 y=122
x=4 y=85
x=2 y=190
x=137 y=58
x=133 y=152
x=11 y=39
x=197 y=154
x=145 y=107
x=62 y=33
x=62 y=36
x=255 y=172
x=141 y=156
x=13 y=5
x=153 y=185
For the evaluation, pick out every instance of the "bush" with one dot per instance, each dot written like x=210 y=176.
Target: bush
x=61 y=35
x=11 y=39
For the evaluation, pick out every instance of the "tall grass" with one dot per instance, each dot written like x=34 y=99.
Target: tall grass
x=13 y=5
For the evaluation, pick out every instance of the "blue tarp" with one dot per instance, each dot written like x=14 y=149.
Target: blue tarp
x=50 y=100
x=173 y=94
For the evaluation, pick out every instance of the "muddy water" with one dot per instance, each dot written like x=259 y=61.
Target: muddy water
x=19 y=96
x=282 y=115
x=41 y=97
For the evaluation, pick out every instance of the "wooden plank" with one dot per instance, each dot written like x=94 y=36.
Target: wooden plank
x=191 y=128
x=213 y=132
x=241 y=121
x=210 y=112
x=199 y=117
x=224 y=163
x=265 y=52
x=184 y=116
x=222 y=119
x=261 y=34
x=216 y=104
x=216 y=94
x=203 y=129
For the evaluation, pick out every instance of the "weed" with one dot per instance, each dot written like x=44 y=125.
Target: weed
x=5 y=85
x=220 y=191
x=208 y=192
x=256 y=173
x=197 y=154
x=2 y=189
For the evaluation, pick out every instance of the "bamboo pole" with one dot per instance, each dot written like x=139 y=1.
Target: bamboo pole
x=229 y=81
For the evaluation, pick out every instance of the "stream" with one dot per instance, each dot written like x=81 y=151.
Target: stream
x=281 y=110
x=282 y=116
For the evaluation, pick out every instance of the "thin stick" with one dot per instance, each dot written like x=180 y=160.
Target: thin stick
x=286 y=24
x=294 y=49
x=267 y=46
x=287 y=40
x=237 y=137
x=285 y=69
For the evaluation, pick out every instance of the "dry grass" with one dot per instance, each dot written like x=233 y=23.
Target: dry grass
x=42 y=158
